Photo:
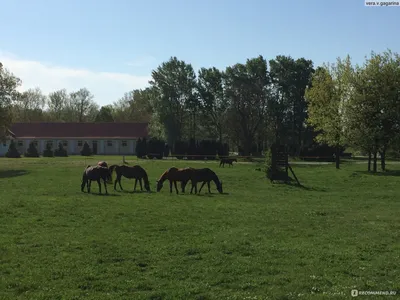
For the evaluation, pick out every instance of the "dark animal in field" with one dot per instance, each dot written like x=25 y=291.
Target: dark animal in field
x=205 y=175
x=102 y=164
x=135 y=172
x=95 y=173
x=174 y=175
x=228 y=161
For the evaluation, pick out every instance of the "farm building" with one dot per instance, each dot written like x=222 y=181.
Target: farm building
x=103 y=138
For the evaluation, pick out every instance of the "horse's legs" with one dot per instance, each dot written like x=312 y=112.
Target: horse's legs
x=115 y=183
x=176 y=188
x=170 y=186
x=99 y=183
x=183 y=185
x=202 y=186
x=208 y=185
x=105 y=185
x=119 y=182
x=134 y=189
x=89 y=185
x=220 y=163
x=141 y=186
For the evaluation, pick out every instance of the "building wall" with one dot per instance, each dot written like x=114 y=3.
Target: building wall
x=4 y=147
x=117 y=147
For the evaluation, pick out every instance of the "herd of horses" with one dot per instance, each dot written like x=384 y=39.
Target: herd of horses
x=103 y=172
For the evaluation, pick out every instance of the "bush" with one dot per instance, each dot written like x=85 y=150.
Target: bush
x=48 y=152
x=141 y=148
x=86 y=151
x=155 y=148
x=12 y=151
x=32 y=151
x=60 y=152
x=166 y=150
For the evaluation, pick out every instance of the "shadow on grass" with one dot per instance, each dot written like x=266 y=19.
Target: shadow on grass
x=135 y=192
x=102 y=194
x=381 y=173
x=292 y=183
x=12 y=173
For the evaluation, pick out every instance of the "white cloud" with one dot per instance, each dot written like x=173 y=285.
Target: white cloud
x=106 y=87
x=142 y=61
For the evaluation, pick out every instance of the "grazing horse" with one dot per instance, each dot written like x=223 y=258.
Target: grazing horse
x=104 y=164
x=205 y=175
x=134 y=172
x=95 y=173
x=228 y=161
x=173 y=175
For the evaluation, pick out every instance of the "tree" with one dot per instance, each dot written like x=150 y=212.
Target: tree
x=12 y=151
x=48 y=152
x=58 y=102
x=8 y=93
x=29 y=105
x=246 y=86
x=213 y=102
x=86 y=151
x=31 y=151
x=60 y=152
x=326 y=98
x=174 y=84
x=105 y=114
x=82 y=104
x=288 y=109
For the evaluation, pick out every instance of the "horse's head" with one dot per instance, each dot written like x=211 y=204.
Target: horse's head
x=147 y=185
x=219 y=188
x=159 y=185
x=234 y=159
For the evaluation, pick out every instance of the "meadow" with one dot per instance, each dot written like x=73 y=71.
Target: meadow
x=258 y=240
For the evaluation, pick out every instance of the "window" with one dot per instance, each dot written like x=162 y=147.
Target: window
x=124 y=143
x=20 y=143
x=109 y=143
x=79 y=143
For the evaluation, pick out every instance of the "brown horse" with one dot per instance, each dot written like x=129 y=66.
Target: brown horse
x=95 y=173
x=134 y=172
x=173 y=175
x=104 y=164
x=205 y=175
x=228 y=161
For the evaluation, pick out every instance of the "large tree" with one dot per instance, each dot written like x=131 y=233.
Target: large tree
x=105 y=114
x=246 y=86
x=174 y=84
x=8 y=93
x=330 y=90
x=213 y=103
x=29 y=106
x=82 y=105
x=57 y=102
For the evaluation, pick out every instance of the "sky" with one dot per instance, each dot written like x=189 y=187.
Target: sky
x=111 y=47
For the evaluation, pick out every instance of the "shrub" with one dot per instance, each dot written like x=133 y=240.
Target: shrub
x=31 y=151
x=60 y=152
x=141 y=148
x=155 y=148
x=48 y=152
x=86 y=151
x=12 y=151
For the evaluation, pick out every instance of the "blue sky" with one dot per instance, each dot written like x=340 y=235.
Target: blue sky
x=111 y=47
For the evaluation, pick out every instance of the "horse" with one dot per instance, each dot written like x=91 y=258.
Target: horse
x=104 y=164
x=205 y=175
x=95 y=173
x=136 y=172
x=228 y=161
x=174 y=174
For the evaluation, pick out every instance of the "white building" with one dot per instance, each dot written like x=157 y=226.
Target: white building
x=103 y=138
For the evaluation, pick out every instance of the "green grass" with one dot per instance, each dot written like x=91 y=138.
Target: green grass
x=258 y=241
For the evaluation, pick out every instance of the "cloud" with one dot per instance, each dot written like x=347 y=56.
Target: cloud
x=106 y=87
x=142 y=61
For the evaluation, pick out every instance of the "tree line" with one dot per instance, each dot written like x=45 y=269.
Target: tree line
x=249 y=105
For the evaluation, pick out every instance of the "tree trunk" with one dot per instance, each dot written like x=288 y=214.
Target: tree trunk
x=383 y=158
x=375 y=161
x=369 y=160
x=337 y=158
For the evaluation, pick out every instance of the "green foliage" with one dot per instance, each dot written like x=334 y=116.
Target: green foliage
x=31 y=151
x=48 y=152
x=141 y=148
x=86 y=151
x=60 y=151
x=155 y=148
x=12 y=151
x=8 y=93
x=105 y=115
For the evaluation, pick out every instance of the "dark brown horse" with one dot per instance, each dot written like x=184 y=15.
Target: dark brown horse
x=205 y=175
x=174 y=175
x=228 y=161
x=134 y=172
x=104 y=164
x=95 y=173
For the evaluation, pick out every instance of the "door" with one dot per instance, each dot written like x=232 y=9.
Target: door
x=94 y=146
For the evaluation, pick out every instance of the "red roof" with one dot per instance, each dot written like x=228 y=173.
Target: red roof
x=80 y=130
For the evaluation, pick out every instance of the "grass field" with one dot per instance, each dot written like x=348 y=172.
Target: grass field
x=257 y=241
